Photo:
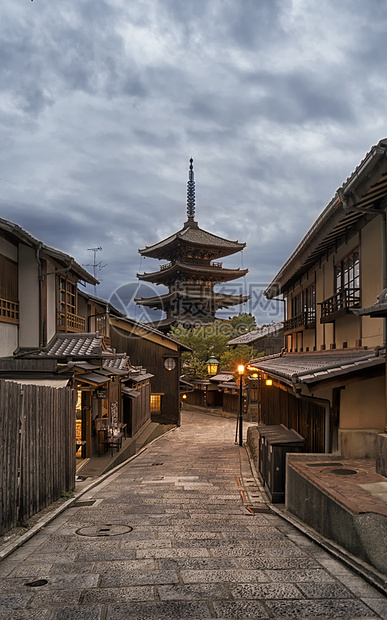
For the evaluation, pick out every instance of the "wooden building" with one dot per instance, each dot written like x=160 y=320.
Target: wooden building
x=329 y=383
x=192 y=271
x=162 y=356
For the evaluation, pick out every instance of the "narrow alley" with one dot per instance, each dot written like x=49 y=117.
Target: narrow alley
x=180 y=532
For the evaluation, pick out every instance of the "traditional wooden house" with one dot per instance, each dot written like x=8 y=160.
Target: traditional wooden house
x=161 y=355
x=328 y=384
x=192 y=271
x=53 y=334
x=38 y=291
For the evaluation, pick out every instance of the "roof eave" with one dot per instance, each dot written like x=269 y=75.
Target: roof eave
x=361 y=179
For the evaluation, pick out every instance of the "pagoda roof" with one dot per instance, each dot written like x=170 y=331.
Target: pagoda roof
x=167 y=271
x=192 y=235
x=219 y=299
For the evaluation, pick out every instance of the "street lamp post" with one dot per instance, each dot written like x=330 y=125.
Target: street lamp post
x=241 y=370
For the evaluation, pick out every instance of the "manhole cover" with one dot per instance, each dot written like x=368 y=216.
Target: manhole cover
x=37 y=583
x=344 y=472
x=104 y=529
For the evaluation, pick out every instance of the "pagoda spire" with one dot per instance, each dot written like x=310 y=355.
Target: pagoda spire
x=191 y=193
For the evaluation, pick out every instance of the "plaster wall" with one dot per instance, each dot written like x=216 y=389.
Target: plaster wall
x=324 y=289
x=362 y=412
x=8 y=339
x=28 y=298
x=371 y=280
x=347 y=330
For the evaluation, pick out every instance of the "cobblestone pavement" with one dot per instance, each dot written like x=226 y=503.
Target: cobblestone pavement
x=170 y=536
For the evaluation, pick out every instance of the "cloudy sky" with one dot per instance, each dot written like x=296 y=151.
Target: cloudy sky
x=103 y=102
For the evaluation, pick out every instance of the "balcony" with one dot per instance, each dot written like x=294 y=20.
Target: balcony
x=68 y=322
x=305 y=320
x=339 y=304
x=9 y=311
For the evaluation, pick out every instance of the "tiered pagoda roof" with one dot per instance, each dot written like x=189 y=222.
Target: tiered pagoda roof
x=191 y=272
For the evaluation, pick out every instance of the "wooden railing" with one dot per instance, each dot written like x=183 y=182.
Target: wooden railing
x=305 y=319
x=340 y=303
x=68 y=322
x=9 y=311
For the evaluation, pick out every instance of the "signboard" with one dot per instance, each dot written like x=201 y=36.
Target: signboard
x=101 y=393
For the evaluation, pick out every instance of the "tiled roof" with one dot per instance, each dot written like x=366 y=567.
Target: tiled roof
x=223 y=377
x=379 y=309
x=220 y=273
x=315 y=367
x=271 y=329
x=195 y=236
x=74 y=345
x=119 y=361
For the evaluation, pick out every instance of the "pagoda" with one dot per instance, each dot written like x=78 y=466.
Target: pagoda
x=192 y=271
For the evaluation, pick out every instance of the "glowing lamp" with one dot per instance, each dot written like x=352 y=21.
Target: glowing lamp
x=212 y=365
x=269 y=381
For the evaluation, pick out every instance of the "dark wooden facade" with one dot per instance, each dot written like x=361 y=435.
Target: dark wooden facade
x=305 y=416
x=147 y=349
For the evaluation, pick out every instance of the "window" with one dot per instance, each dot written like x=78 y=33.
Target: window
x=68 y=320
x=310 y=305
x=347 y=273
x=9 y=304
x=67 y=296
x=155 y=403
x=296 y=305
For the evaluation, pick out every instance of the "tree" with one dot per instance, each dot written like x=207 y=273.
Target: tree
x=243 y=323
x=210 y=339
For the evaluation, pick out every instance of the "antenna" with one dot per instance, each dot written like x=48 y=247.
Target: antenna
x=96 y=266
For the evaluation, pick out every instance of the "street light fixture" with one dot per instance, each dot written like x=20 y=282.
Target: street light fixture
x=212 y=365
x=241 y=370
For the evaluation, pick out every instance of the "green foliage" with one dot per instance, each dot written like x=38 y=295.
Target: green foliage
x=243 y=323
x=230 y=358
x=211 y=339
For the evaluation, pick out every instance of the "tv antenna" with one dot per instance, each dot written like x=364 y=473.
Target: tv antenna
x=96 y=266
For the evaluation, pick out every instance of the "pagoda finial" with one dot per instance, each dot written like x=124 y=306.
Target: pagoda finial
x=191 y=192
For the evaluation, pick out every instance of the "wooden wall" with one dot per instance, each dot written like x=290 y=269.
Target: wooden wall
x=37 y=438
x=151 y=356
x=304 y=416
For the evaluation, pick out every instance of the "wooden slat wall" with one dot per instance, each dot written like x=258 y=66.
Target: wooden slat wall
x=37 y=449
x=304 y=416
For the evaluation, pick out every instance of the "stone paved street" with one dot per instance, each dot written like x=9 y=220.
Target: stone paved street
x=169 y=536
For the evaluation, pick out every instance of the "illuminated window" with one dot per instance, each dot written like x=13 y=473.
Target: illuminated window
x=155 y=403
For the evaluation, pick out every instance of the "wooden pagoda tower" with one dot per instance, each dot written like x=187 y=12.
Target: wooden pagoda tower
x=191 y=272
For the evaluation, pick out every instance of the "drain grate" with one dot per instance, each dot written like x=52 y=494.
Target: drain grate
x=86 y=502
x=157 y=464
x=104 y=529
x=344 y=472
x=37 y=583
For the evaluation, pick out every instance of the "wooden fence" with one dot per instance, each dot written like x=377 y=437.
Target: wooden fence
x=37 y=449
